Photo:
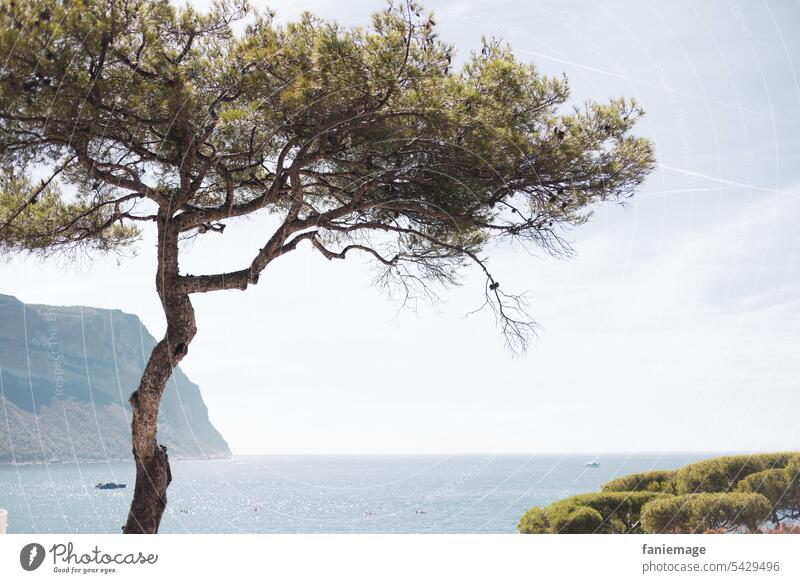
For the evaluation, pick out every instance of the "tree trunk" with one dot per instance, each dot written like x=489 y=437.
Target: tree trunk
x=153 y=474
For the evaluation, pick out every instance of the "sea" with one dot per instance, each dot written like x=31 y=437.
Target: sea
x=317 y=494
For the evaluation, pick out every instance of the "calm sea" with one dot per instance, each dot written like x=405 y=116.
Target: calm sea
x=315 y=494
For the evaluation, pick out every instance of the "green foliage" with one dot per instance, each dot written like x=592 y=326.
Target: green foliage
x=792 y=468
x=696 y=513
x=143 y=110
x=652 y=481
x=535 y=521
x=771 y=483
x=720 y=494
x=582 y=520
x=40 y=218
x=722 y=474
x=618 y=513
x=781 y=486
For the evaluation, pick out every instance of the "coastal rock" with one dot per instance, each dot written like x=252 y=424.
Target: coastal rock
x=65 y=377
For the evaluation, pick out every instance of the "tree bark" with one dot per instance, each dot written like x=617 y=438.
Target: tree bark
x=153 y=474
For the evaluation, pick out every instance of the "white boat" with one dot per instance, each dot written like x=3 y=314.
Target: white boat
x=591 y=464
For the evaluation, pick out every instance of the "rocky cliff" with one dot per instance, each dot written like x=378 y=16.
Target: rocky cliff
x=65 y=377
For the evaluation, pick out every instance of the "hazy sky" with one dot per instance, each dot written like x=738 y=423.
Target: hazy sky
x=675 y=327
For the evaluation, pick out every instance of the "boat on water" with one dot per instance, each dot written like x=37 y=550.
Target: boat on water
x=592 y=464
x=109 y=486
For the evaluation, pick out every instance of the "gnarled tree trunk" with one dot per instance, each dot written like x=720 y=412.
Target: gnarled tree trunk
x=153 y=474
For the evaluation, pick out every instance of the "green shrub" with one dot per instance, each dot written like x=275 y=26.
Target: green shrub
x=534 y=521
x=618 y=512
x=780 y=486
x=666 y=515
x=692 y=513
x=721 y=494
x=792 y=469
x=722 y=474
x=770 y=483
x=582 y=520
x=653 y=481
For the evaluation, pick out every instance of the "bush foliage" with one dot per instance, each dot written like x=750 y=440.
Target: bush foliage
x=722 y=474
x=781 y=486
x=725 y=494
x=604 y=512
x=694 y=513
x=653 y=481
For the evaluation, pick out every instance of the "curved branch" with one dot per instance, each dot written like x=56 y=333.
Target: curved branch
x=343 y=253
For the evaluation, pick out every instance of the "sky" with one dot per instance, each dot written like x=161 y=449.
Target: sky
x=675 y=327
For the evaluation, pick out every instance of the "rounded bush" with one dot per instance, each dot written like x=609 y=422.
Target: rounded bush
x=692 y=513
x=770 y=483
x=780 y=486
x=618 y=511
x=792 y=469
x=727 y=493
x=722 y=474
x=653 y=481
x=583 y=520
x=534 y=521
x=666 y=515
